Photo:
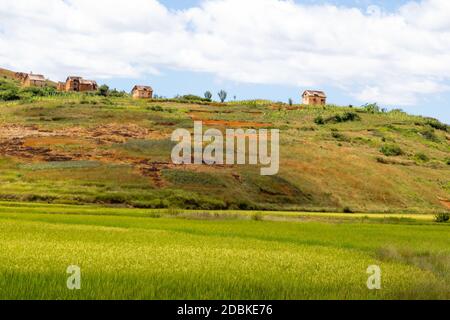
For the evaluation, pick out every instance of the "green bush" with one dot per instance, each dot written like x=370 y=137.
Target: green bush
x=429 y=135
x=31 y=92
x=347 y=210
x=422 y=157
x=372 y=108
x=339 y=136
x=118 y=94
x=319 y=120
x=156 y=108
x=338 y=118
x=436 y=124
x=348 y=116
x=391 y=150
x=103 y=90
x=9 y=90
x=442 y=217
x=192 y=97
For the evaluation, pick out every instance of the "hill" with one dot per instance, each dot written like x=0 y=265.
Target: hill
x=4 y=73
x=10 y=75
x=80 y=149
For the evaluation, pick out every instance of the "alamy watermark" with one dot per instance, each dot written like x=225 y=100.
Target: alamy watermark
x=374 y=280
x=237 y=151
x=74 y=280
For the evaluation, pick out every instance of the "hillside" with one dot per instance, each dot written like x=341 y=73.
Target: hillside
x=10 y=75
x=79 y=149
x=4 y=73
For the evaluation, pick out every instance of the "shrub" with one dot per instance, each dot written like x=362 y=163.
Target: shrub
x=338 y=118
x=436 y=124
x=347 y=116
x=9 y=95
x=156 y=108
x=103 y=90
x=350 y=116
x=429 y=135
x=8 y=90
x=347 y=210
x=339 y=136
x=192 y=97
x=37 y=92
x=447 y=161
x=391 y=150
x=422 y=157
x=112 y=198
x=241 y=205
x=442 y=217
x=118 y=94
x=372 y=108
x=319 y=120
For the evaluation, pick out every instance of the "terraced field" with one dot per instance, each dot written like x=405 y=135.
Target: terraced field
x=80 y=149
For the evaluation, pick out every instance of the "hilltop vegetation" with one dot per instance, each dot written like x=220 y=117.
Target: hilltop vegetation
x=112 y=150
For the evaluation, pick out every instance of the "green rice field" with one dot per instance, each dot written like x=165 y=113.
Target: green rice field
x=176 y=254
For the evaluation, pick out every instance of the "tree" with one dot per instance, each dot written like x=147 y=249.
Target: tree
x=222 y=95
x=372 y=108
x=291 y=102
x=208 y=95
x=103 y=90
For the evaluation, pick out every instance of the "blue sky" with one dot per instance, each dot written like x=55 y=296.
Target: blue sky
x=387 y=4
x=395 y=53
x=187 y=82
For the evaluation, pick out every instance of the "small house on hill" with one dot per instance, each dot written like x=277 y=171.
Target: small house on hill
x=314 y=98
x=61 y=86
x=142 y=92
x=20 y=76
x=34 y=80
x=78 y=84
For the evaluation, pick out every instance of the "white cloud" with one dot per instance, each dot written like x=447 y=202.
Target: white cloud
x=392 y=58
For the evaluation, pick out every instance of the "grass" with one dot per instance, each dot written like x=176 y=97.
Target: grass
x=323 y=167
x=127 y=254
x=87 y=180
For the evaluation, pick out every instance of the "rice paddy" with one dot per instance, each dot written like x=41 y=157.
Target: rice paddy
x=164 y=254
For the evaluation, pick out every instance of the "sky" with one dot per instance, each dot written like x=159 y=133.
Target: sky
x=395 y=53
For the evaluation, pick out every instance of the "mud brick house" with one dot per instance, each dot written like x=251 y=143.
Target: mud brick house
x=314 y=98
x=20 y=76
x=78 y=84
x=34 y=80
x=142 y=92
x=61 y=86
